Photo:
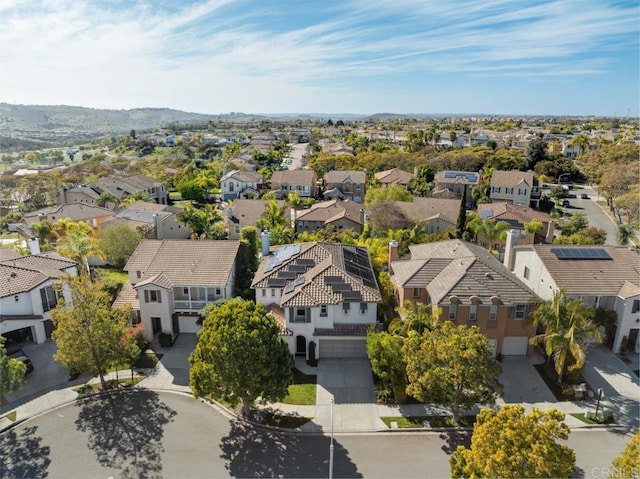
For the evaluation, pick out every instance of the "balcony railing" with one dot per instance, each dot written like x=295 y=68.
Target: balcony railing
x=189 y=305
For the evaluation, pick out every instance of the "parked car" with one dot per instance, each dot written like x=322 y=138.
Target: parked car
x=11 y=346
x=20 y=356
x=566 y=204
x=584 y=196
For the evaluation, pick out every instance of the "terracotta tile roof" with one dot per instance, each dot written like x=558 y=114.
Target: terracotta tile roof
x=308 y=277
x=8 y=253
x=185 y=262
x=394 y=175
x=511 y=178
x=604 y=277
x=244 y=176
x=277 y=313
x=337 y=176
x=248 y=212
x=344 y=329
x=74 y=211
x=511 y=213
x=629 y=290
x=293 y=177
x=158 y=279
x=424 y=209
x=14 y=280
x=458 y=268
x=50 y=264
x=330 y=211
x=127 y=296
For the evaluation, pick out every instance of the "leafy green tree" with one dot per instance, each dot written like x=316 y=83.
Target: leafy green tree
x=418 y=317
x=574 y=224
x=387 y=215
x=386 y=193
x=77 y=242
x=487 y=231
x=206 y=221
x=387 y=362
x=88 y=331
x=509 y=443
x=626 y=464
x=118 y=243
x=12 y=371
x=192 y=189
x=568 y=327
x=461 y=223
x=247 y=261
x=240 y=356
x=625 y=232
x=451 y=366
x=536 y=152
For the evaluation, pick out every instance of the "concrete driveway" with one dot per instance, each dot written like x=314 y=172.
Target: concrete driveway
x=172 y=372
x=522 y=383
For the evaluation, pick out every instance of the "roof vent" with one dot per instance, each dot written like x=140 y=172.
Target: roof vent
x=488 y=276
x=13 y=274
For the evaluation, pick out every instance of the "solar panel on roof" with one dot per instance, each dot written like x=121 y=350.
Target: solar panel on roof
x=352 y=296
x=276 y=282
x=486 y=214
x=340 y=287
x=290 y=287
x=581 y=253
x=299 y=281
x=306 y=261
x=332 y=279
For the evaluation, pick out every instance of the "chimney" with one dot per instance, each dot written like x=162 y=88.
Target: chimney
x=362 y=216
x=393 y=254
x=266 y=243
x=512 y=240
x=229 y=212
x=34 y=245
x=551 y=228
x=292 y=215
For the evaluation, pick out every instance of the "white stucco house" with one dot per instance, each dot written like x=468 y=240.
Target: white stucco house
x=27 y=293
x=513 y=186
x=170 y=281
x=601 y=276
x=240 y=184
x=321 y=293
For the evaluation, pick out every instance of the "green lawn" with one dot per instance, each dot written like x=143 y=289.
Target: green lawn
x=115 y=275
x=434 y=421
x=303 y=389
x=111 y=384
x=12 y=416
x=147 y=360
x=591 y=419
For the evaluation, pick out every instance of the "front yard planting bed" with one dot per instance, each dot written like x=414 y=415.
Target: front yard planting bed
x=284 y=421
x=12 y=416
x=590 y=418
x=562 y=392
x=111 y=384
x=432 y=421
x=303 y=390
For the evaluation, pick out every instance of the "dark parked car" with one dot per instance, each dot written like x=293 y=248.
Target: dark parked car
x=20 y=356
x=584 y=196
x=566 y=204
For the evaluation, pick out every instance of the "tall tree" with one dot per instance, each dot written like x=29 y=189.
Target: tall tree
x=462 y=214
x=509 y=443
x=118 y=243
x=568 y=328
x=536 y=152
x=88 y=331
x=240 y=355
x=77 y=242
x=387 y=362
x=12 y=371
x=451 y=366
x=487 y=231
x=247 y=261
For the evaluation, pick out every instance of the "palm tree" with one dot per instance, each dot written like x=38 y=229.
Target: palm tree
x=582 y=142
x=625 y=232
x=79 y=246
x=568 y=328
x=414 y=317
x=488 y=230
x=106 y=198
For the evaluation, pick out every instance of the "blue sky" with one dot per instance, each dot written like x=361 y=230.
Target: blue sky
x=545 y=57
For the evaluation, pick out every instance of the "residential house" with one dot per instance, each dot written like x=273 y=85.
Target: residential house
x=345 y=185
x=28 y=292
x=240 y=184
x=120 y=188
x=394 y=176
x=518 y=216
x=242 y=213
x=470 y=287
x=335 y=213
x=517 y=187
x=601 y=276
x=321 y=293
x=432 y=214
x=158 y=221
x=170 y=281
x=94 y=216
x=451 y=184
x=289 y=181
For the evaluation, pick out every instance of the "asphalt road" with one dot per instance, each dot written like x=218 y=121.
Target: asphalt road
x=142 y=433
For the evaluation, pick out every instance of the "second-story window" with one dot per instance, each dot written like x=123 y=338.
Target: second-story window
x=473 y=312
x=323 y=310
x=520 y=311
x=453 y=309
x=636 y=306
x=49 y=298
x=416 y=293
x=509 y=191
x=493 y=312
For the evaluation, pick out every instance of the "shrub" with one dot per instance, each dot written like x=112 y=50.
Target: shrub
x=140 y=337
x=165 y=339
x=312 y=361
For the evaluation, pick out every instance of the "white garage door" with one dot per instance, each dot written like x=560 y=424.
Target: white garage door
x=188 y=324
x=343 y=348
x=515 y=346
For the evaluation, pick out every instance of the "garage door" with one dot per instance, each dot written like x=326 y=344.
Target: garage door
x=345 y=348
x=188 y=324
x=515 y=346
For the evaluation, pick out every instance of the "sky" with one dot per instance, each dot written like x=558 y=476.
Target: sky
x=534 y=57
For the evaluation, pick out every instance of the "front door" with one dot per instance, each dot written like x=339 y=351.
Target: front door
x=156 y=325
x=301 y=346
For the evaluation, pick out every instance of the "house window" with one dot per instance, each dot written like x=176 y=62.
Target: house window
x=509 y=191
x=526 y=272
x=363 y=308
x=495 y=189
x=49 y=298
x=473 y=312
x=636 y=306
x=416 y=292
x=218 y=292
x=264 y=293
x=273 y=292
x=152 y=296
x=453 y=309
x=522 y=191
x=185 y=291
x=493 y=312
x=16 y=298
x=520 y=311
x=346 y=307
x=323 y=310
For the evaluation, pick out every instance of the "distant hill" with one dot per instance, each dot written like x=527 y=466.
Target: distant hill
x=90 y=120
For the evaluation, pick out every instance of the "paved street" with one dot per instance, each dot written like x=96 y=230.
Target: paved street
x=141 y=433
x=595 y=215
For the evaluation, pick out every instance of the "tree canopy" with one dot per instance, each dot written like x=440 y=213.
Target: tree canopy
x=509 y=443
x=12 y=371
x=89 y=333
x=240 y=356
x=118 y=243
x=626 y=464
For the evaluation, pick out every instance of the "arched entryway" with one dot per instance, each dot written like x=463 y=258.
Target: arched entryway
x=301 y=346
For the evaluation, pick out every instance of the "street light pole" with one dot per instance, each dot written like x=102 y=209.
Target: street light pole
x=331 y=445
